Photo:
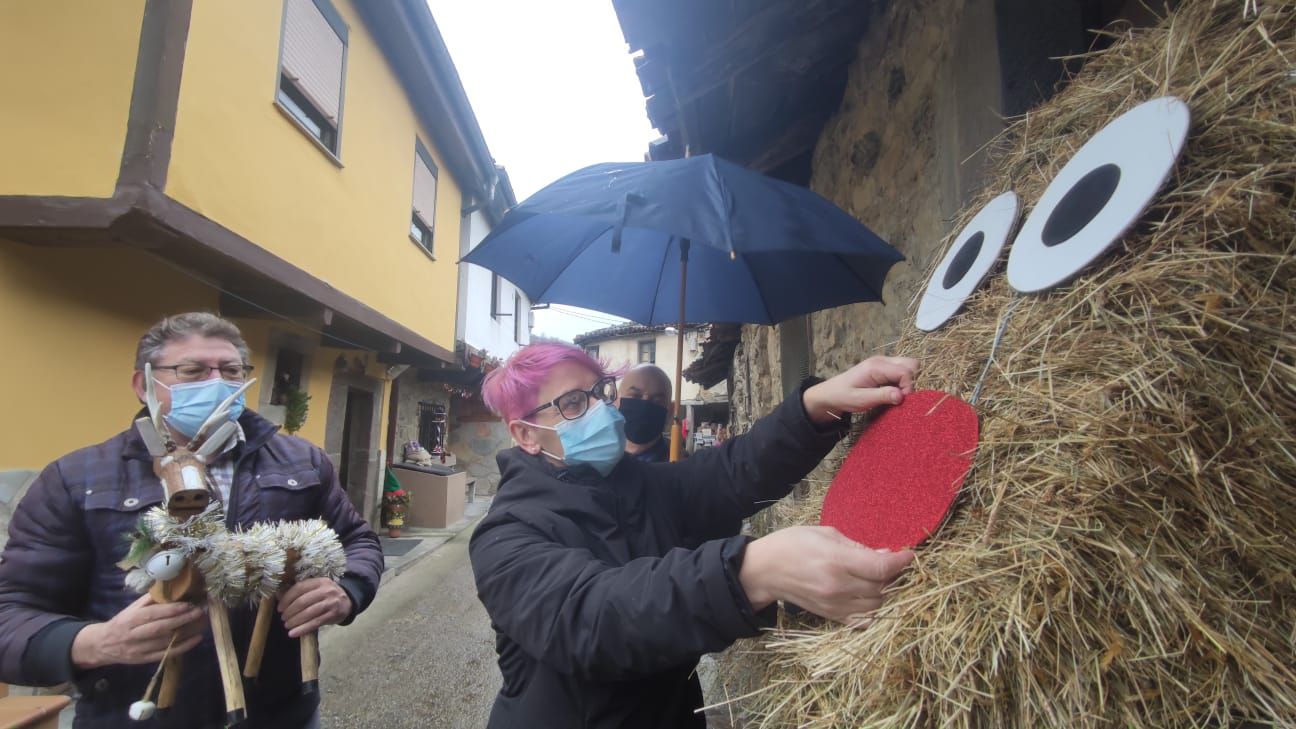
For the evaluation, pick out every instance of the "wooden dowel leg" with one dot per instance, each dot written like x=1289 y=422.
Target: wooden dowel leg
x=170 y=681
x=310 y=663
x=256 y=649
x=235 y=706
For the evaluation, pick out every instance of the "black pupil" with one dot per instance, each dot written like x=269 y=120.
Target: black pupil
x=1081 y=204
x=963 y=260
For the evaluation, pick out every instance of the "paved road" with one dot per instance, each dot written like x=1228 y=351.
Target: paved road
x=423 y=655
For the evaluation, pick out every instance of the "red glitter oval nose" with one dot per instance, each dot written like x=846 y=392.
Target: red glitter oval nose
x=901 y=477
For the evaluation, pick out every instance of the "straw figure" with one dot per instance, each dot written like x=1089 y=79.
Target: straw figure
x=309 y=549
x=183 y=551
x=1122 y=553
x=171 y=541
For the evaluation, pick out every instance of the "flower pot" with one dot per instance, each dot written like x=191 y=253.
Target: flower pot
x=393 y=531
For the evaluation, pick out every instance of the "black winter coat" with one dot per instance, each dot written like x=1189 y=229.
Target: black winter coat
x=604 y=592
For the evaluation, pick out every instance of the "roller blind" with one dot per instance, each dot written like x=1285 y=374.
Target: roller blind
x=425 y=181
x=312 y=56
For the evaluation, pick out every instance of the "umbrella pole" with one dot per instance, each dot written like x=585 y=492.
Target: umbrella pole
x=677 y=438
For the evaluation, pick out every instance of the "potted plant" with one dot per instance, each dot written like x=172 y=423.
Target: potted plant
x=296 y=405
x=395 y=504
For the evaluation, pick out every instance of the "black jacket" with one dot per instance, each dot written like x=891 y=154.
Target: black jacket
x=59 y=571
x=604 y=592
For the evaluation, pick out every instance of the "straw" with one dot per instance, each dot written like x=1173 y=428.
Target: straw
x=1123 y=551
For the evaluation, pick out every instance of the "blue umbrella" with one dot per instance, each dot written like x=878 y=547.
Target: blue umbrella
x=697 y=239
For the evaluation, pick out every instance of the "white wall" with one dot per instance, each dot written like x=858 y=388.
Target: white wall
x=477 y=327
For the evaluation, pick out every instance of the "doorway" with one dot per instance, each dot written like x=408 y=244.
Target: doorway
x=352 y=438
x=357 y=452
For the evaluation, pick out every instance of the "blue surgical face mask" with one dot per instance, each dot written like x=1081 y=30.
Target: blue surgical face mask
x=596 y=439
x=193 y=402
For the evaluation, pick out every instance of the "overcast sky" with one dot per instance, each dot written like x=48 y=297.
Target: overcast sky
x=554 y=89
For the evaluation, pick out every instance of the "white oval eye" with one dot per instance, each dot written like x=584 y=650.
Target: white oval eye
x=974 y=251
x=165 y=565
x=1098 y=195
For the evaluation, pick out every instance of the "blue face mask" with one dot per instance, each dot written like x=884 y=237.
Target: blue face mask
x=193 y=402
x=596 y=439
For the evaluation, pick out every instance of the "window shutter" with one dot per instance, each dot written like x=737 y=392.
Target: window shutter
x=312 y=56
x=424 y=191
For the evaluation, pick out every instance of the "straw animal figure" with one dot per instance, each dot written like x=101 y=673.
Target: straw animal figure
x=163 y=557
x=308 y=549
x=182 y=551
x=1122 y=554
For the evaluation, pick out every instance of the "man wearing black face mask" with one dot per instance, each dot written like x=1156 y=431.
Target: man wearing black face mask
x=645 y=402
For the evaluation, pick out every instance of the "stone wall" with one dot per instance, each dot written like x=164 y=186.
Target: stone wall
x=474 y=442
x=901 y=155
x=13 y=486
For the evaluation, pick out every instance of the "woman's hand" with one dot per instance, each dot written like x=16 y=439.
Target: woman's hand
x=873 y=382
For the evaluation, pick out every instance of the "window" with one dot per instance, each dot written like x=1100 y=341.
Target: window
x=422 y=221
x=430 y=415
x=592 y=351
x=648 y=351
x=494 y=302
x=420 y=233
x=517 y=317
x=288 y=369
x=312 y=59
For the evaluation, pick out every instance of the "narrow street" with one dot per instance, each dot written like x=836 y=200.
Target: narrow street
x=421 y=656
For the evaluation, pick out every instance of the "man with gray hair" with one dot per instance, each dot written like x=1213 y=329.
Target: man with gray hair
x=65 y=614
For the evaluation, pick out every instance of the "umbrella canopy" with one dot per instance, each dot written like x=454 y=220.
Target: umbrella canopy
x=687 y=240
x=610 y=237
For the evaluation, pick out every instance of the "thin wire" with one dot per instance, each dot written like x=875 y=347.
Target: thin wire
x=1003 y=326
x=591 y=317
x=272 y=312
x=585 y=313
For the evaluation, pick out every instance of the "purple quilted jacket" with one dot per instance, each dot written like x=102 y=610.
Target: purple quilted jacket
x=58 y=572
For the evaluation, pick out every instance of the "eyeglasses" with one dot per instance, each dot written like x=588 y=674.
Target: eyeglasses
x=572 y=405
x=194 y=372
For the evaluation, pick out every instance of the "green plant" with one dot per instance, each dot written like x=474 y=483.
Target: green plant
x=296 y=405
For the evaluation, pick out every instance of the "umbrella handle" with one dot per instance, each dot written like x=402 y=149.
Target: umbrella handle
x=676 y=446
x=677 y=438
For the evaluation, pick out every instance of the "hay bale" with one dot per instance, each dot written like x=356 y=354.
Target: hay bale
x=1123 y=553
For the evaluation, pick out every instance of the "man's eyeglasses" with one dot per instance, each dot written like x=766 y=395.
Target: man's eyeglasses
x=572 y=405
x=195 y=372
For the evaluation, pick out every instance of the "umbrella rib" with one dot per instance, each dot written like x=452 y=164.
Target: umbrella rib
x=652 y=310
x=759 y=291
x=867 y=286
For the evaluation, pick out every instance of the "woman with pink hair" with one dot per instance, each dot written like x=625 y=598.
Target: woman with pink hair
x=606 y=577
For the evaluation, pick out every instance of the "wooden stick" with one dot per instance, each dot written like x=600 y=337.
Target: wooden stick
x=170 y=681
x=261 y=631
x=235 y=706
x=310 y=662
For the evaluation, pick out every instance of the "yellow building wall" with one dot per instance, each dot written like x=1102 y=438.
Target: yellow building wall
x=65 y=90
x=70 y=319
x=318 y=376
x=239 y=161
